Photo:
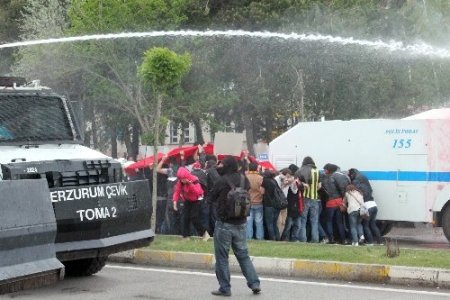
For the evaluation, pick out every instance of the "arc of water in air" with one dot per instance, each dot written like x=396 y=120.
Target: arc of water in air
x=422 y=49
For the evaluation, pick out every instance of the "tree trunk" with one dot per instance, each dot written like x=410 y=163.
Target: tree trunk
x=135 y=141
x=155 y=155
x=127 y=141
x=333 y=98
x=299 y=95
x=114 y=141
x=94 y=131
x=183 y=126
x=198 y=132
x=181 y=137
x=248 y=125
x=87 y=139
x=269 y=127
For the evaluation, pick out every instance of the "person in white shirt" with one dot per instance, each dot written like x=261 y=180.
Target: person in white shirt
x=354 y=199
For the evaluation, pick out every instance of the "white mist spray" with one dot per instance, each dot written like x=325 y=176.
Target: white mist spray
x=421 y=49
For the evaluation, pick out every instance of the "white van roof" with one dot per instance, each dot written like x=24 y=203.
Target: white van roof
x=439 y=113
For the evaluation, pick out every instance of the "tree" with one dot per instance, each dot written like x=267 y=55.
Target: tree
x=10 y=12
x=162 y=69
x=268 y=80
x=113 y=64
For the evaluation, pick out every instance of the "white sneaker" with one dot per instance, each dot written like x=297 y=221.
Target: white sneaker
x=355 y=244
x=206 y=236
x=362 y=239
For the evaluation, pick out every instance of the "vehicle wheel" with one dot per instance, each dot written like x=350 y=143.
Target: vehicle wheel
x=385 y=227
x=446 y=222
x=85 y=267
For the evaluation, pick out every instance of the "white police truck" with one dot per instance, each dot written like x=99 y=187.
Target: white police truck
x=407 y=161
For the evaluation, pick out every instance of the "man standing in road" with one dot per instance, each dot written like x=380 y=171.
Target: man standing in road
x=231 y=232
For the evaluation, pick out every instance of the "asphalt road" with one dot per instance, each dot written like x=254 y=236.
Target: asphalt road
x=421 y=236
x=119 y=281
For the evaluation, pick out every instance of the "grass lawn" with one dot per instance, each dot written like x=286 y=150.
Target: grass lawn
x=362 y=254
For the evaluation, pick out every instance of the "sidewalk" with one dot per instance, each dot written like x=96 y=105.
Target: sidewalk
x=295 y=268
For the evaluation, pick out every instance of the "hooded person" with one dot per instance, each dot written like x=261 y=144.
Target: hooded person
x=293 y=168
x=230 y=232
x=361 y=182
x=188 y=189
x=304 y=172
x=200 y=173
x=212 y=177
x=309 y=175
x=197 y=171
x=335 y=183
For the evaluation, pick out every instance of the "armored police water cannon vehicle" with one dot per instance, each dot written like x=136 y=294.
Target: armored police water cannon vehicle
x=96 y=212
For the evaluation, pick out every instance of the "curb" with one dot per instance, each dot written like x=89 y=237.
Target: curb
x=297 y=268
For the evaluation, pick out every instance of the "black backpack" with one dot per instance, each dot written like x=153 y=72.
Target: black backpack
x=279 y=199
x=238 y=200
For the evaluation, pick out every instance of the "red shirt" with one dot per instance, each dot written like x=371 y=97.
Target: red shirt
x=336 y=202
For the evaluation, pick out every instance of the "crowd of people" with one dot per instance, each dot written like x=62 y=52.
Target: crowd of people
x=298 y=204
x=322 y=207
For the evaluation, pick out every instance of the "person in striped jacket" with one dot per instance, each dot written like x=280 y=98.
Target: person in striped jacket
x=308 y=174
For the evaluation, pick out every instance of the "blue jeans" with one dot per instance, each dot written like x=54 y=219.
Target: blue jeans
x=227 y=235
x=270 y=218
x=322 y=233
x=355 y=226
x=331 y=214
x=291 y=229
x=310 y=208
x=371 y=230
x=256 y=218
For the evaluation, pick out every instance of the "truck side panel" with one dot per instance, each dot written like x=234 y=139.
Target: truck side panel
x=440 y=147
x=400 y=158
x=90 y=216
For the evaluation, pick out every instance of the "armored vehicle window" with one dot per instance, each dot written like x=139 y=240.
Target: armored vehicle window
x=33 y=118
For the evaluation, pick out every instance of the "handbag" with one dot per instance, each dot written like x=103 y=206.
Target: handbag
x=364 y=212
x=279 y=199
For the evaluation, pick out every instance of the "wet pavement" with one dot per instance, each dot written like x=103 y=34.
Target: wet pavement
x=421 y=236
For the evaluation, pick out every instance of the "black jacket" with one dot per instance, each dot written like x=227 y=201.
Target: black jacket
x=202 y=179
x=269 y=184
x=361 y=182
x=335 y=184
x=219 y=195
x=212 y=176
x=293 y=209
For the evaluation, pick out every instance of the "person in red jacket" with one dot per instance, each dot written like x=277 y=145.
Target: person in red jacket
x=190 y=191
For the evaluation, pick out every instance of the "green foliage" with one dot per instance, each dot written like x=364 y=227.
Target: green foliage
x=369 y=255
x=148 y=138
x=51 y=64
x=97 y=16
x=9 y=19
x=9 y=29
x=237 y=79
x=163 y=68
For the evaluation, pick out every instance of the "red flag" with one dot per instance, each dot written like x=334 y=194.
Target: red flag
x=146 y=162
x=267 y=165
x=300 y=201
